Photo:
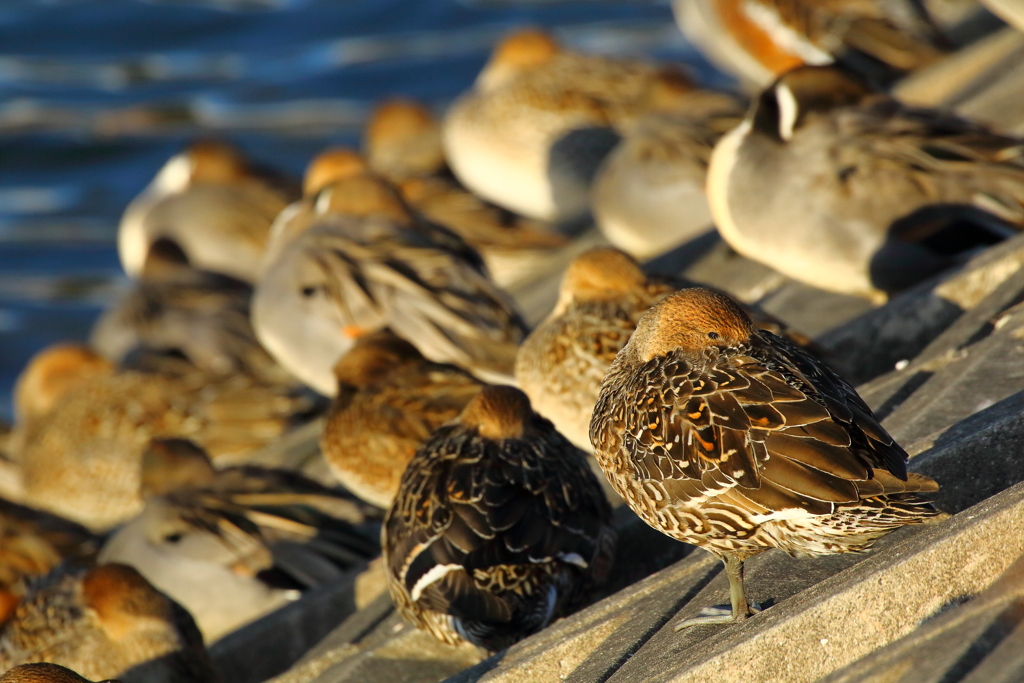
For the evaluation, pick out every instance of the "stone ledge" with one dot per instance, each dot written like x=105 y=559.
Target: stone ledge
x=850 y=614
x=981 y=641
x=284 y=635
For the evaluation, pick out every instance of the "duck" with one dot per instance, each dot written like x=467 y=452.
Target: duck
x=390 y=399
x=649 y=194
x=847 y=190
x=213 y=203
x=202 y=316
x=732 y=439
x=41 y=672
x=539 y=119
x=603 y=294
x=233 y=544
x=402 y=140
x=370 y=262
x=102 y=622
x=51 y=374
x=499 y=526
x=32 y=543
x=330 y=165
x=759 y=40
x=402 y=143
x=93 y=436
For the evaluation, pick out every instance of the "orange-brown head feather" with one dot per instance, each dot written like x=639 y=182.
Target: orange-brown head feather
x=169 y=464
x=213 y=161
x=375 y=355
x=602 y=274
x=498 y=413
x=337 y=163
x=51 y=374
x=122 y=598
x=691 y=320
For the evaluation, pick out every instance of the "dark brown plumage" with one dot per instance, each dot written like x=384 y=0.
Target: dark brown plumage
x=733 y=439
x=32 y=543
x=498 y=526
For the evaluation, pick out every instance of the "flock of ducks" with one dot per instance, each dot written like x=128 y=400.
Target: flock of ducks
x=461 y=445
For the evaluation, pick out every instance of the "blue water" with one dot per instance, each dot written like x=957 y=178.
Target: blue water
x=95 y=96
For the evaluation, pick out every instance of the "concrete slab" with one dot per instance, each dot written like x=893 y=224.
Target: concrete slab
x=285 y=635
x=597 y=640
x=943 y=82
x=1011 y=11
x=343 y=642
x=887 y=393
x=846 y=616
x=974 y=378
x=981 y=641
x=981 y=81
x=870 y=346
x=374 y=644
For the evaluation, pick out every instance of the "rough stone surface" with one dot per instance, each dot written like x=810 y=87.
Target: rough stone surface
x=984 y=81
x=981 y=641
x=847 y=615
x=887 y=393
x=285 y=635
x=870 y=345
x=972 y=379
x=341 y=643
x=944 y=81
x=1011 y=11
x=375 y=645
x=598 y=639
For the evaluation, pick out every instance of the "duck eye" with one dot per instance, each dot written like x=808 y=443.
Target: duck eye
x=308 y=291
x=712 y=335
x=173 y=538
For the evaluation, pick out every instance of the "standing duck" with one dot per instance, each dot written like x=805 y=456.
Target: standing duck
x=561 y=364
x=730 y=438
x=498 y=527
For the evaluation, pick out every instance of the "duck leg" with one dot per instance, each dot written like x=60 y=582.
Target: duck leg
x=739 y=610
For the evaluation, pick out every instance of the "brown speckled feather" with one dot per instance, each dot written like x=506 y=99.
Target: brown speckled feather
x=102 y=622
x=94 y=436
x=373 y=432
x=489 y=539
x=561 y=364
x=749 y=444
